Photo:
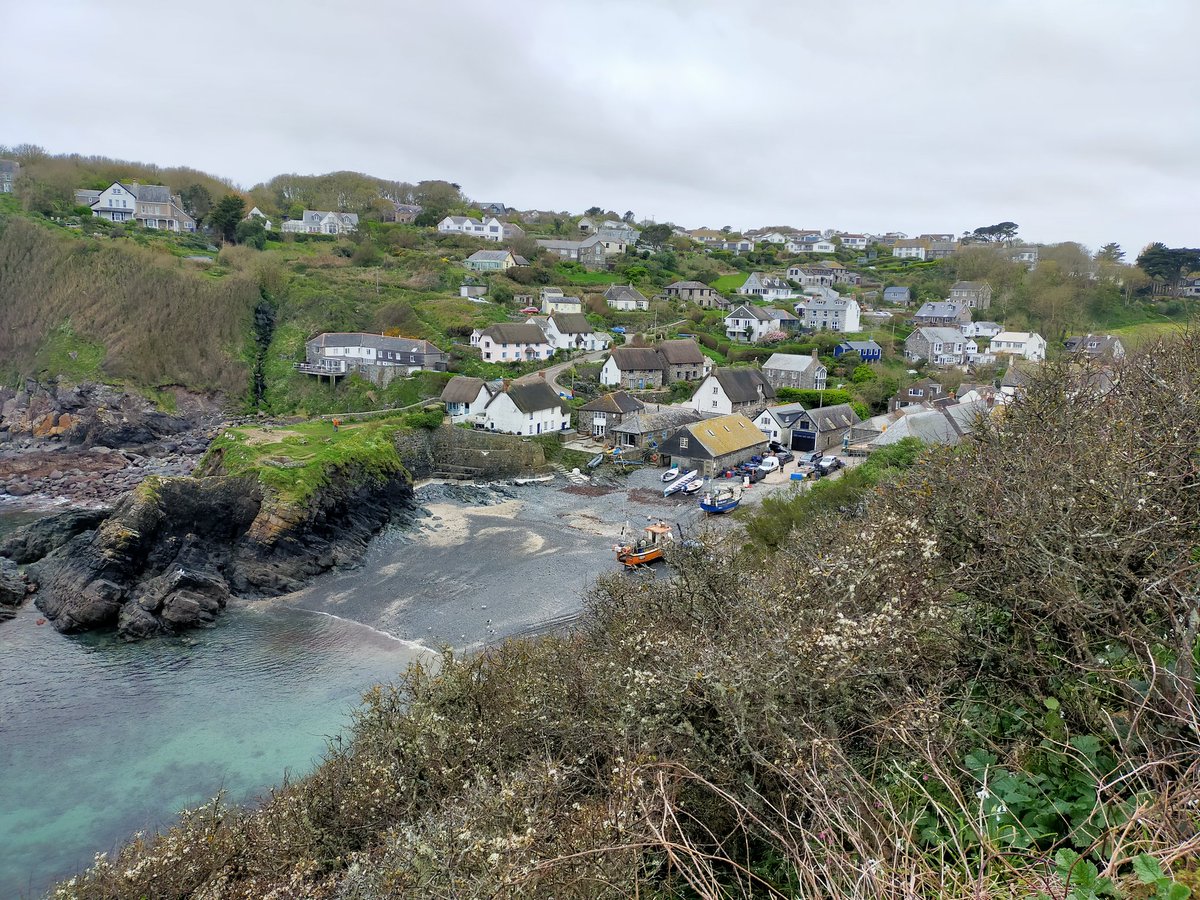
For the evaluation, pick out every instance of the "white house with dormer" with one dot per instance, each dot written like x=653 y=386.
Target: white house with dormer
x=1024 y=344
x=750 y=324
x=768 y=287
x=571 y=331
x=490 y=229
x=320 y=221
x=527 y=406
x=508 y=342
x=825 y=313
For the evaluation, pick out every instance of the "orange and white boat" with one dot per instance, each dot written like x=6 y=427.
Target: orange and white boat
x=648 y=549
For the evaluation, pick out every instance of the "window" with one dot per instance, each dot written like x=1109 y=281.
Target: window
x=714 y=404
x=683 y=442
x=716 y=388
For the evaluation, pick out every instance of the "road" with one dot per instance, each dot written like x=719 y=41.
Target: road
x=553 y=372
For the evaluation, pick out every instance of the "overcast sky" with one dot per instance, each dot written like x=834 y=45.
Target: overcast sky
x=1077 y=120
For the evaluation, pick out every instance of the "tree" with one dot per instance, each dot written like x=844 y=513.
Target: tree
x=226 y=215
x=1000 y=233
x=197 y=201
x=251 y=233
x=593 y=211
x=656 y=235
x=1167 y=263
x=628 y=217
x=1110 y=252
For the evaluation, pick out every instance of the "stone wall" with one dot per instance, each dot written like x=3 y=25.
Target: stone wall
x=450 y=450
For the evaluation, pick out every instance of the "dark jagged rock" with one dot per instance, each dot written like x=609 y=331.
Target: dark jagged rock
x=12 y=588
x=40 y=538
x=175 y=550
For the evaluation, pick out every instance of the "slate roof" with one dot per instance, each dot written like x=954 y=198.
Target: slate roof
x=9 y=166
x=752 y=312
x=791 y=362
x=572 y=323
x=939 y=309
x=511 y=333
x=533 y=394
x=901 y=292
x=489 y=255
x=624 y=292
x=690 y=285
x=152 y=193
x=832 y=418
x=967 y=285
x=943 y=334
x=681 y=352
x=461 y=389
x=633 y=359
x=663 y=420
x=375 y=341
x=786 y=414
x=1106 y=344
x=863 y=346
x=742 y=385
x=614 y=402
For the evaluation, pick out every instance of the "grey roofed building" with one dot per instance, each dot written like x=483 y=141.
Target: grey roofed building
x=558 y=244
x=897 y=295
x=629 y=359
x=152 y=193
x=641 y=429
x=619 y=402
x=627 y=293
x=689 y=286
x=375 y=341
x=942 y=312
x=461 y=389
x=1096 y=346
x=490 y=255
x=512 y=333
x=744 y=385
x=827 y=418
x=532 y=394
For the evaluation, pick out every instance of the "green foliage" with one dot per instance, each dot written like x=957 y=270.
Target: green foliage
x=1081 y=878
x=429 y=418
x=226 y=215
x=812 y=399
x=67 y=354
x=251 y=233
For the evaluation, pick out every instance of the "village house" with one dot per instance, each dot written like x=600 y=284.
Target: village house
x=319 y=221
x=805 y=275
x=683 y=360
x=1026 y=254
x=465 y=397
x=625 y=297
x=972 y=294
x=938 y=346
x=730 y=390
x=375 y=357
x=980 y=329
x=572 y=331
x=768 y=287
x=750 y=324
x=945 y=424
x=735 y=245
x=941 y=249
x=511 y=343
x=633 y=368
x=616 y=232
x=490 y=261
x=695 y=292
x=257 y=215
x=490 y=229
x=776 y=422
x=649 y=430
x=915 y=248
x=553 y=301
x=598 y=417
x=149 y=205
x=823 y=428
x=830 y=314
x=869 y=351
x=714 y=445
x=492 y=209
x=1024 y=344
x=854 y=241
x=527 y=406
x=942 y=313
x=10 y=171
x=1018 y=374
x=795 y=370
x=927 y=390
x=589 y=252
x=1096 y=346
x=706 y=235
x=405 y=213
x=512 y=231
x=900 y=296
x=805 y=244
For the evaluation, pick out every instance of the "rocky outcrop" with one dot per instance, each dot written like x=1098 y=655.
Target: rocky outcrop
x=174 y=551
x=12 y=588
x=39 y=539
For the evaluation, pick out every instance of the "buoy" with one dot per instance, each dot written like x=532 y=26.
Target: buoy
x=41 y=621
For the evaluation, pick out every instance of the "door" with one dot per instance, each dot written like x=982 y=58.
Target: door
x=804 y=441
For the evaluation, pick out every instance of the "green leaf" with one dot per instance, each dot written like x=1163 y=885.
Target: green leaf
x=1147 y=869
x=1051 y=703
x=1174 y=891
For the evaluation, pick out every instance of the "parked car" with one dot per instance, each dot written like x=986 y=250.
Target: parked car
x=784 y=456
x=770 y=464
x=810 y=458
x=617 y=329
x=829 y=464
x=809 y=471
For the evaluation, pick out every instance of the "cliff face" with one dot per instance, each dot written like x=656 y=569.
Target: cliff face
x=174 y=551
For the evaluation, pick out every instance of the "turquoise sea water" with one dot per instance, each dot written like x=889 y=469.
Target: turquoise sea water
x=99 y=739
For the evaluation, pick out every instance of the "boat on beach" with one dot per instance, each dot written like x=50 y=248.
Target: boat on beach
x=693 y=486
x=670 y=475
x=647 y=549
x=722 y=500
x=679 y=483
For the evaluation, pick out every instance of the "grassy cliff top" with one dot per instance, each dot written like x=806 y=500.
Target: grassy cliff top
x=294 y=461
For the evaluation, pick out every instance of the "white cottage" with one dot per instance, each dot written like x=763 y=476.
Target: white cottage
x=527 y=406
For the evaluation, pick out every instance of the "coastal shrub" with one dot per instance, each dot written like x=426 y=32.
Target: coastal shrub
x=978 y=682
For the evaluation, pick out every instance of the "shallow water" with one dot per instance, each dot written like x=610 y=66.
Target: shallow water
x=99 y=739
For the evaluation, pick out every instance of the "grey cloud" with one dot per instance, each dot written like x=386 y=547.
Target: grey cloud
x=1076 y=119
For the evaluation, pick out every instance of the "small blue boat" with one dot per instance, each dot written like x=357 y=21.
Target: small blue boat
x=722 y=500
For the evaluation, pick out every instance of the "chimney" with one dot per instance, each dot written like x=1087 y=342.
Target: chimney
x=507 y=382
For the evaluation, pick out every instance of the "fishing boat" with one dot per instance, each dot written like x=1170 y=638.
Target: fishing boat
x=693 y=486
x=670 y=475
x=722 y=500
x=648 y=549
x=679 y=483
x=540 y=479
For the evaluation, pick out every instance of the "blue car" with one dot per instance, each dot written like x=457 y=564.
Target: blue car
x=617 y=329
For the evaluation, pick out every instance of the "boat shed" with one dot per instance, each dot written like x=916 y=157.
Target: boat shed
x=714 y=445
